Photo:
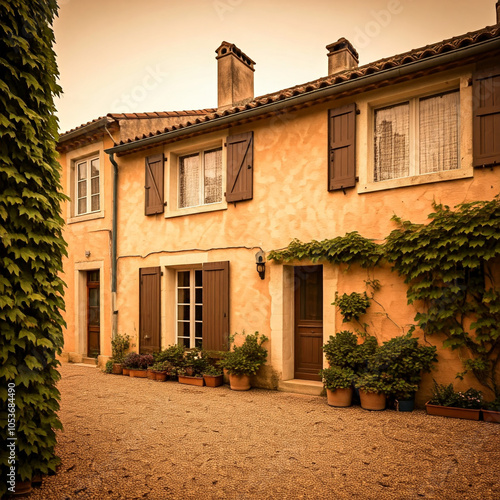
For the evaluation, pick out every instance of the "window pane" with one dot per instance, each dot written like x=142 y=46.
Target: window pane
x=183 y=295
x=94 y=186
x=93 y=276
x=438 y=129
x=198 y=278
x=392 y=132
x=198 y=313
x=183 y=312
x=82 y=206
x=94 y=168
x=213 y=176
x=185 y=342
x=198 y=343
x=183 y=278
x=199 y=329
x=82 y=189
x=82 y=171
x=94 y=201
x=93 y=296
x=189 y=181
x=199 y=296
x=183 y=329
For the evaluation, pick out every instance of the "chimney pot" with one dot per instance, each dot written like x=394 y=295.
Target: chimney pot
x=235 y=75
x=341 y=56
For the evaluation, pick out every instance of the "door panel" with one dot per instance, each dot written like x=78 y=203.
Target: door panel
x=308 y=322
x=149 y=310
x=93 y=314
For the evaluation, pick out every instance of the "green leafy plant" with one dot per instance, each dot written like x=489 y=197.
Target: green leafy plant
x=212 y=370
x=174 y=354
x=31 y=242
x=109 y=367
x=372 y=382
x=194 y=363
x=445 y=395
x=247 y=358
x=336 y=377
x=352 y=306
x=119 y=345
x=341 y=349
x=492 y=405
x=448 y=266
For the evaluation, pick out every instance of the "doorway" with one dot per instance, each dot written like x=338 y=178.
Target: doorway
x=93 y=314
x=308 y=312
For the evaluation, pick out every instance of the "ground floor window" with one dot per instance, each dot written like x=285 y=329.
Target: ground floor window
x=190 y=308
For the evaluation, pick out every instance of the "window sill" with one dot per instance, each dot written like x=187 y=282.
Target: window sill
x=416 y=180
x=180 y=212
x=85 y=217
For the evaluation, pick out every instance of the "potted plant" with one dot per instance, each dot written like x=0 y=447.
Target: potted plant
x=129 y=362
x=119 y=345
x=213 y=376
x=373 y=388
x=338 y=384
x=162 y=370
x=138 y=364
x=491 y=411
x=403 y=360
x=193 y=366
x=341 y=348
x=174 y=355
x=448 y=403
x=244 y=360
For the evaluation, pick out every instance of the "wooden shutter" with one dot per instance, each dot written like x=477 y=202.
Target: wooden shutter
x=154 y=185
x=486 y=102
x=216 y=306
x=239 y=167
x=149 y=309
x=342 y=147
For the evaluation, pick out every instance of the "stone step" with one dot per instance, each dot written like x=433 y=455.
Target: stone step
x=298 y=386
x=89 y=361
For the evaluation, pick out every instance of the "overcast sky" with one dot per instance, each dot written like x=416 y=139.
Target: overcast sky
x=159 y=55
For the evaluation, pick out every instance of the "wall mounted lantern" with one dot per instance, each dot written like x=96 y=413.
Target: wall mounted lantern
x=260 y=261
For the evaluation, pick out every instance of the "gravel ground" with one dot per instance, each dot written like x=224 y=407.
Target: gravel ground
x=129 y=438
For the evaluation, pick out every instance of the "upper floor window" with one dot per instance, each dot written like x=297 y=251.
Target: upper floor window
x=419 y=136
x=200 y=178
x=87 y=186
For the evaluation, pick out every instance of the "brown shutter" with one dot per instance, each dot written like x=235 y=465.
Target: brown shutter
x=216 y=306
x=154 y=185
x=239 y=167
x=486 y=102
x=342 y=147
x=149 y=309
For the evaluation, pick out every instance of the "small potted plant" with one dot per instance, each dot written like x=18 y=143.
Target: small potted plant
x=161 y=370
x=213 y=376
x=491 y=411
x=130 y=361
x=119 y=345
x=446 y=402
x=338 y=384
x=138 y=364
x=373 y=388
x=194 y=364
x=244 y=360
x=174 y=355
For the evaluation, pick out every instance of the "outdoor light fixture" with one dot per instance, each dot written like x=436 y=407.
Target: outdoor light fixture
x=260 y=261
x=87 y=253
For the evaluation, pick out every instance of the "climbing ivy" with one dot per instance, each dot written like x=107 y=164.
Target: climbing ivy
x=349 y=249
x=448 y=265
x=31 y=245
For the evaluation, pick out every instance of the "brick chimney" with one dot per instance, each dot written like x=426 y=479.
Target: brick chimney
x=234 y=76
x=341 y=56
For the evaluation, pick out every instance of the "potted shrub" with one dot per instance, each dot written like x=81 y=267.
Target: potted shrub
x=448 y=403
x=193 y=366
x=491 y=411
x=138 y=364
x=402 y=360
x=340 y=350
x=130 y=361
x=373 y=388
x=213 y=376
x=174 y=355
x=244 y=360
x=338 y=384
x=119 y=345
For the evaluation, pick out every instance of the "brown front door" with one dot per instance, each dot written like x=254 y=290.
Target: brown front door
x=93 y=314
x=308 y=322
x=149 y=309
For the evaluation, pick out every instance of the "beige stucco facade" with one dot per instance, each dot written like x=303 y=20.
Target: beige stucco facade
x=290 y=200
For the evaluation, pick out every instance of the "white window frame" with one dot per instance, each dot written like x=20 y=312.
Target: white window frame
x=172 y=187
x=192 y=309
x=405 y=92
x=88 y=181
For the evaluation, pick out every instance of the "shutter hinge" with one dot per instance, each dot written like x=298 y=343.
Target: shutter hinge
x=165 y=203
x=358 y=112
x=225 y=145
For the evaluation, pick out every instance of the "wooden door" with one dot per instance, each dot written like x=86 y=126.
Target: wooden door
x=93 y=314
x=308 y=322
x=149 y=309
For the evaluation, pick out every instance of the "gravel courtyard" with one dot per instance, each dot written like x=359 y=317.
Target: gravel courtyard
x=129 y=438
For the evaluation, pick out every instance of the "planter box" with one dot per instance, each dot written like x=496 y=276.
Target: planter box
x=151 y=374
x=185 y=379
x=138 y=373
x=491 y=416
x=161 y=376
x=451 y=411
x=126 y=371
x=213 y=380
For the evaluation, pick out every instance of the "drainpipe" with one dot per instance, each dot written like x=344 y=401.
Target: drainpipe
x=113 y=243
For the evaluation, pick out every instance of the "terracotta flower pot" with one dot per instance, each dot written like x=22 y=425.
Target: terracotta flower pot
x=138 y=373
x=22 y=488
x=185 y=379
x=239 y=382
x=491 y=416
x=117 y=368
x=372 y=400
x=161 y=376
x=213 y=380
x=151 y=374
x=451 y=411
x=339 y=397
x=126 y=371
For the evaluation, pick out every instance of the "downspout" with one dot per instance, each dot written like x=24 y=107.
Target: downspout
x=113 y=244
